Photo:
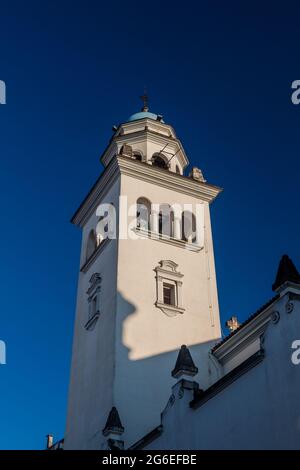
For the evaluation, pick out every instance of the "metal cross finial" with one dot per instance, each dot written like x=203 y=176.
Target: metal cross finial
x=144 y=97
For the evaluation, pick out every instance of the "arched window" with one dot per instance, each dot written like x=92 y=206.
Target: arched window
x=91 y=244
x=159 y=161
x=166 y=220
x=138 y=156
x=143 y=211
x=188 y=227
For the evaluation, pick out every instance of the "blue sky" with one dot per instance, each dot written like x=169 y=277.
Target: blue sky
x=220 y=73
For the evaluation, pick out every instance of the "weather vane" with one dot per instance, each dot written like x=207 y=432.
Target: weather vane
x=144 y=98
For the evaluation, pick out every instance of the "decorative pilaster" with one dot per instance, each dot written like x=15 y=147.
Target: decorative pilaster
x=154 y=220
x=200 y=225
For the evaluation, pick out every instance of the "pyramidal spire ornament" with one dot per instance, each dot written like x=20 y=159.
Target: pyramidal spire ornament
x=287 y=272
x=184 y=364
x=113 y=424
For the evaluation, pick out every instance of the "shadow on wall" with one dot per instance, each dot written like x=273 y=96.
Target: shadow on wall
x=143 y=386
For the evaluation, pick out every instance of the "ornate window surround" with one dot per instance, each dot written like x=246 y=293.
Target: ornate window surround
x=167 y=273
x=93 y=301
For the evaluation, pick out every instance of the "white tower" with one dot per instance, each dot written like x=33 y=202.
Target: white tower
x=144 y=293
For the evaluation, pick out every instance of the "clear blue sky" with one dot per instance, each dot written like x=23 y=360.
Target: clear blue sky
x=220 y=73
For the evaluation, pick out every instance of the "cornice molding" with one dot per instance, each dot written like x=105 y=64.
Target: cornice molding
x=170 y=310
x=138 y=122
x=247 y=335
x=90 y=324
x=144 y=172
x=164 y=239
x=167 y=179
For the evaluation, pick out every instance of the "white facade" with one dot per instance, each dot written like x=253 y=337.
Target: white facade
x=255 y=403
x=128 y=331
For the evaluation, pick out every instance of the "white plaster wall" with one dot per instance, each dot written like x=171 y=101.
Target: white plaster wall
x=261 y=410
x=93 y=356
x=126 y=361
x=147 y=341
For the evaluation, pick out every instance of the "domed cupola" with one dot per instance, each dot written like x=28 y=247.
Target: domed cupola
x=143 y=115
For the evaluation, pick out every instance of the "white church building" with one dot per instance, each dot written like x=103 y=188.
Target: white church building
x=150 y=369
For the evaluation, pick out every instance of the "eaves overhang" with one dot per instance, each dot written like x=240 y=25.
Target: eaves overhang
x=154 y=123
x=248 y=332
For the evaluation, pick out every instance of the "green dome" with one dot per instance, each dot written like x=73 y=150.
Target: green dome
x=142 y=115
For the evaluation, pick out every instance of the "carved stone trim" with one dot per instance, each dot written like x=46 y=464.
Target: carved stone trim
x=170 y=310
x=167 y=272
x=168 y=265
x=164 y=239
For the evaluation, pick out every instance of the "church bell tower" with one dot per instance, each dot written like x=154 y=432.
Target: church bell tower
x=147 y=284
